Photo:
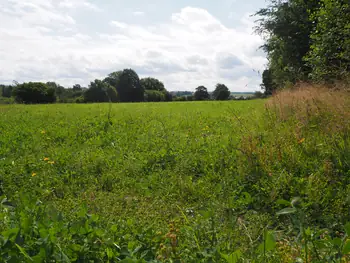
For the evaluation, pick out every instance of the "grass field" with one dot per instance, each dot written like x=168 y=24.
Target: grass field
x=173 y=182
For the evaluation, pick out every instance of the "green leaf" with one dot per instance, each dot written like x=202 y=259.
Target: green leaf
x=286 y=211
x=10 y=234
x=283 y=202
x=347 y=228
x=295 y=201
x=109 y=253
x=270 y=242
x=337 y=242
x=346 y=248
x=234 y=257
x=24 y=253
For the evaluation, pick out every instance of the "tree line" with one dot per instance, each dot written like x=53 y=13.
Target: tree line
x=119 y=86
x=305 y=40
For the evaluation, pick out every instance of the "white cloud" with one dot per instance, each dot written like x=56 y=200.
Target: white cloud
x=73 y=4
x=40 y=41
x=138 y=13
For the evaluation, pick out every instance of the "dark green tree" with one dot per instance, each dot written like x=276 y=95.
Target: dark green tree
x=127 y=84
x=329 y=55
x=100 y=91
x=152 y=84
x=267 y=82
x=154 y=95
x=168 y=96
x=59 y=90
x=286 y=26
x=34 y=92
x=201 y=93
x=221 y=92
x=6 y=91
x=77 y=88
x=113 y=78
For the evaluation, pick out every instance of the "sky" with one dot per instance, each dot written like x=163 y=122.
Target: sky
x=184 y=44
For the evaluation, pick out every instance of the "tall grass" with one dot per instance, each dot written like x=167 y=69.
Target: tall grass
x=257 y=181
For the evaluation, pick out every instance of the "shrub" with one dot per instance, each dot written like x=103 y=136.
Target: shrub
x=154 y=95
x=34 y=92
x=100 y=91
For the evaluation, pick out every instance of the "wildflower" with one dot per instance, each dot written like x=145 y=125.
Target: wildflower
x=43 y=132
x=301 y=141
x=51 y=162
x=46 y=159
x=33 y=174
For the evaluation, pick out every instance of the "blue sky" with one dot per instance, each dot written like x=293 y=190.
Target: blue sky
x=183 y=43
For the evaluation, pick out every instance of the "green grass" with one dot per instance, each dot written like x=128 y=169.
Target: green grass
x=161 y=155
x=174 y=182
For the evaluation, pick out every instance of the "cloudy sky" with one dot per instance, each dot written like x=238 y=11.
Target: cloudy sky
x=184 y=43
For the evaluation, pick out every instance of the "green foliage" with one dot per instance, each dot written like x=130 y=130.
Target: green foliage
x=155 y=95
x=100 y=91
x=221 y=92
x=128 y=86
x=287 y=27
x=34 y=92
x=201 y=93
x=176 y=182
x=6 y=91
x=66 y=95
x=329 y=56
x=305 y=40
x=152 y=84
x=267 y=82
x=155 y=90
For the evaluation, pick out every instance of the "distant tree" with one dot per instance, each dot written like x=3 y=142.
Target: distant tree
x=77 y=88
x=152 y=84
x=154 y=95
x=34 y=92
x=6 y=91
x=113 y=78
x=127 y=84
x=267 y=82
x=189 y=97
x=59 y=90
x=180 y=98
x=100 y=91
x=258 y=95
x=201 y=93
x=168 y=96
x=221 y=92
x=181 y=93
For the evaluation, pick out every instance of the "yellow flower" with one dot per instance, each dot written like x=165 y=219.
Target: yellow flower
x=43 y=132
x=46 y=159
x=51 y=162
x=33 y=174
x=301 y=140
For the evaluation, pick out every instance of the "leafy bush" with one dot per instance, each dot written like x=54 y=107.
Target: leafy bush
x=329 y=55
x=154 y=95
x=100 y=91
x=34 y=92
x=221 y=92
x=5 y=100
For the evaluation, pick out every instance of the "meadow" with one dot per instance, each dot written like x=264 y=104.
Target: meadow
x=231 y=181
